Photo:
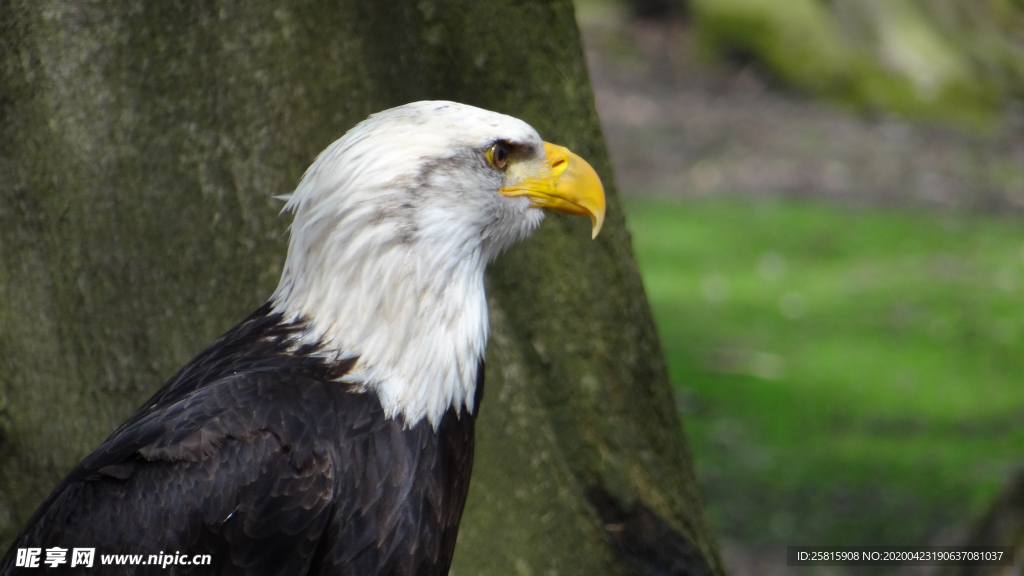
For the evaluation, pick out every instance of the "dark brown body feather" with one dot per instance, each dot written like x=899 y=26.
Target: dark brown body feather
x=256 y=454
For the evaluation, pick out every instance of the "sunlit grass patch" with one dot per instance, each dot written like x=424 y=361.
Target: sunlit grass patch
x=846 y=376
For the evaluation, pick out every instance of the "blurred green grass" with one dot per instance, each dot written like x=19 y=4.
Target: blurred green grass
x=846 y=376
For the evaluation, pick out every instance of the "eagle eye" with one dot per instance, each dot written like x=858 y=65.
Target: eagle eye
x=497 y=155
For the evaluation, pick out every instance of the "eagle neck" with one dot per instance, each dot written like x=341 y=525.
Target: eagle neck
x=412 y=314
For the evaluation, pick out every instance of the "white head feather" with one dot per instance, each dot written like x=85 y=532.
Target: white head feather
x=393 y=227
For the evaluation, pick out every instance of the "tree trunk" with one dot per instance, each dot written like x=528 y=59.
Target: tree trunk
x=140 y=150
x=1002 y=524
x=659 y=9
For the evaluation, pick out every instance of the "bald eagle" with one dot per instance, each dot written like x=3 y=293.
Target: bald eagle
x=331 y=431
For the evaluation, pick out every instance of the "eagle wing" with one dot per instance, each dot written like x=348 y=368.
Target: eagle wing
x=240 y=470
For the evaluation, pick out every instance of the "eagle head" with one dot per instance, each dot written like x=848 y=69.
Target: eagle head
x=394 y=225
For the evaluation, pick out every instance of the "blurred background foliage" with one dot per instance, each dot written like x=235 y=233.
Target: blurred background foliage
x=956 y=59
x=826 y=201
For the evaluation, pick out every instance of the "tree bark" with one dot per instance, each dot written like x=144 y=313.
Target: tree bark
x=141 y=145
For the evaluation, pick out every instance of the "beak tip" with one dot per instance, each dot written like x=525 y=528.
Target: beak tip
x=597 y=222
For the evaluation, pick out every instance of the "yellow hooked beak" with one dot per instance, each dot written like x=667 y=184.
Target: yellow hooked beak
x=566 y=184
